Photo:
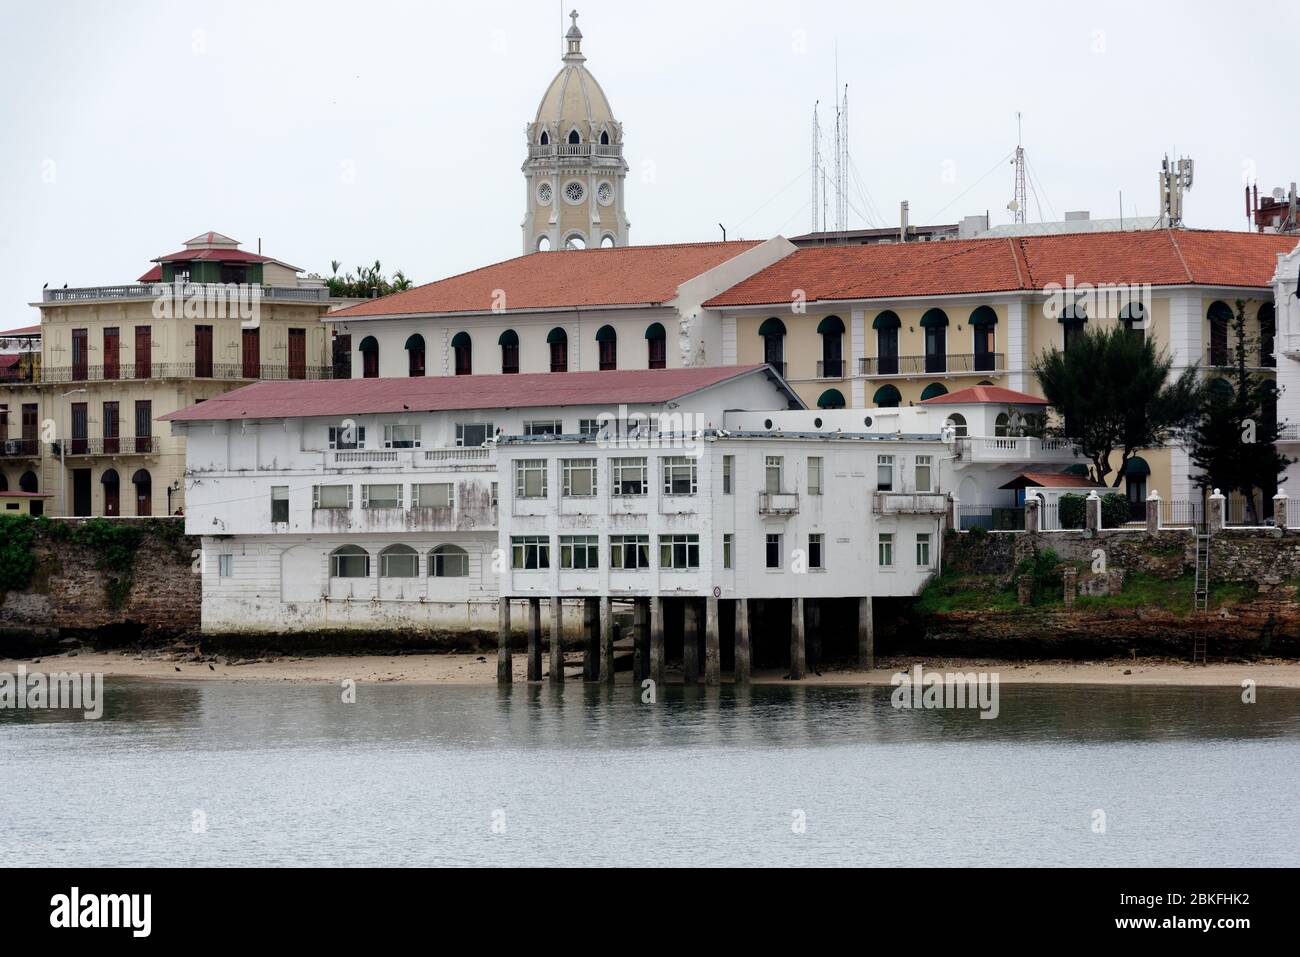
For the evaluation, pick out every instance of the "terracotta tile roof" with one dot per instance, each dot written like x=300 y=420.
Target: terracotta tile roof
x=1026 y=263
x=153 y=275
x=979 y=394
x=631 y=275
x=300 y=399
x=22 y=331
x=1051 y=480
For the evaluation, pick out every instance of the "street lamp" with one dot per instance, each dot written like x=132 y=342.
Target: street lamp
x=63 y=457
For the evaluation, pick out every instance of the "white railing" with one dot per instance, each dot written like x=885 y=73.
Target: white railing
x=457 y=455
x=913 y=503
x=1019 y=448
x=154 y=290
x=365 y=457
x=778 y=503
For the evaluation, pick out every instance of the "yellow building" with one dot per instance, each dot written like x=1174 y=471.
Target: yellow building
x=80 y=417
x=889 y=325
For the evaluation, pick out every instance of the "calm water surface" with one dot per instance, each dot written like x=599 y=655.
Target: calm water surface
x=287 y=774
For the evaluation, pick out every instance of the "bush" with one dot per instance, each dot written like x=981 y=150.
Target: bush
x=1044 y=568
x=1114 y=510
x=17 y=561
x=1072 y=510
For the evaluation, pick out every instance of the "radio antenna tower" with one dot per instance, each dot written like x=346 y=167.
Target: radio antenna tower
x=816 y=167
x=842 y=162
x=1020 y=202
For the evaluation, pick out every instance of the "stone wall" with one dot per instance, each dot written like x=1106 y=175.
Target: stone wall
x=69 y=596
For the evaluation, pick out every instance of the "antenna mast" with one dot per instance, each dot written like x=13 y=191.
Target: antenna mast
x=1020 y=202
x=816 y=167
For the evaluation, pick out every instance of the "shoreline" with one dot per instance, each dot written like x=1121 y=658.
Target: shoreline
x=480 y=669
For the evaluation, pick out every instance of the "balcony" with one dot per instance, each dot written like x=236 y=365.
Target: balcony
x=778 y=503
x=910 y=503
x=999 y=449
x=949 y=364
x=831 y=368
x=155 y=290
x=406 y=460
x=574 y=150
x=223 y=371
x=20 y=448
x=1225 y=357
x=114 y=445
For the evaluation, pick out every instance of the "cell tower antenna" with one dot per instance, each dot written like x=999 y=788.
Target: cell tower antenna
x=1020 y=202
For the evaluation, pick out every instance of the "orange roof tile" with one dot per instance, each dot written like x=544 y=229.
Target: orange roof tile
x=1161 y=257
x=978 y=394
x=626 y=276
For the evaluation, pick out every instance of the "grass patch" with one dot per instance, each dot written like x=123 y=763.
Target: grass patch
x=952 y=592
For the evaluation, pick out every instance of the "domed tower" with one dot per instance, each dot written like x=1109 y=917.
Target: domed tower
x=575 y=169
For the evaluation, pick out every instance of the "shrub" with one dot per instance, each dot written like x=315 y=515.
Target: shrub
x=17 y=561
x=1114 y=510
x=1044 y=568
x=1072 y=510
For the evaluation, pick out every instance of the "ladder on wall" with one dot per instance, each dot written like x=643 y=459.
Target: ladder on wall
x=1199 y=647
x=1201 y=596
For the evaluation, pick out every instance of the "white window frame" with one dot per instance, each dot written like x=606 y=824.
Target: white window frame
x=923 y=550
x=588 y=546
x=883 y=463
x=225 y=565
x=569 y=469
x=523 y=469
x=358 y=442
x=279 y=493
x=773 y=474
x=618 y=552
x=544 y=427
x=417 y=498
x=885 y=549
x=816 y=474
x=488 y=432
x=769 y=539
x=925 y=462
x=671 y=463
x=727 y=547
x=818 y=539
x=520 y=545
x=365 y=494
x=640 y=472
x=728 y=474
x=689 y=544
x=391 y=441
x=316 y=498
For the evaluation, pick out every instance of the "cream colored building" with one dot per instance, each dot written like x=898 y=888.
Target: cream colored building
x=113 y=359
x=575 y=171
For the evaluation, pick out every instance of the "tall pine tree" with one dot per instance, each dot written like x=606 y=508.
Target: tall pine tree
x=1234 y=441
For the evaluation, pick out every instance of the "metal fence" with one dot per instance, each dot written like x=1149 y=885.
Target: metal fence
x=994 y=518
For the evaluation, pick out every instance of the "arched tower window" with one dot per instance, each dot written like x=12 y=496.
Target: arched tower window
x=886 y=325
x=604 y=137
x=464 y=352
x=656 y=346
x=415 y=356
x=558 y=340
x=983 y=326
x=546 y=138
x=607 y=344
x=369 y=357
x=574 y=138
x=509 y=343
x=935 y=324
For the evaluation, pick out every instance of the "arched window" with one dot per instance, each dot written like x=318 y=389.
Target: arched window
x=143 y=483
x=545 y=139
x=604 y=137
x=1220 y=316
x=399 y=561
x=112 y=492
x=607 y=345
x=831 y=329
x=28 y=482
x=935 y=324
x=887 y=397
x=1072 y=319
x=349 y=561
x=831 y=399
x=773 y=332
x=369 y=357
x=933 y=391
x=1267 y=331
x=1002 y=425
x=983 y=327
x=543 y=244
x=958 y=423
x=656 y=346
x=1136 y=473
x=886 y=325
x=1134 y=317
x=448 y=561
x=574 y=138
x=608 y=241
x=415 y=355
x=558 y=340
x=575 y=241
x=464 y=352
x=509 y=343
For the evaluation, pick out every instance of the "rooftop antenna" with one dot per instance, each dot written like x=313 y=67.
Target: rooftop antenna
x=816 y=167
x=1175 y=180
x=1020 y=201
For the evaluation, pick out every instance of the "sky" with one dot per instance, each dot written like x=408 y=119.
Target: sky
x=394 y=131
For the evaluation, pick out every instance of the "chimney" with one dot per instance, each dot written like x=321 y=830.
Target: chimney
x=902 y=214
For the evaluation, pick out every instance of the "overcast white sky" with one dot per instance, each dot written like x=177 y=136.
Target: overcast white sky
x=129 y=126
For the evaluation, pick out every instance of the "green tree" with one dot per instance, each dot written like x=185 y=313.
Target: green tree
x=366 y=282
x=1112 y=393
x=1234 y=440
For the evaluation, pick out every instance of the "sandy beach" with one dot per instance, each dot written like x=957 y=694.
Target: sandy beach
x=472 y=669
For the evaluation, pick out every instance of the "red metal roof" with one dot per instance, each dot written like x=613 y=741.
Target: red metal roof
x=1161 y=257
x=979 y=394
x=301 y=399
x=153 y=275
x=624 y=276
x=220 y=255
x=22 y=331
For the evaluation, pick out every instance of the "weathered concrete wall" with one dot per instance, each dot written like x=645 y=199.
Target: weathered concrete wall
x=69 y=596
